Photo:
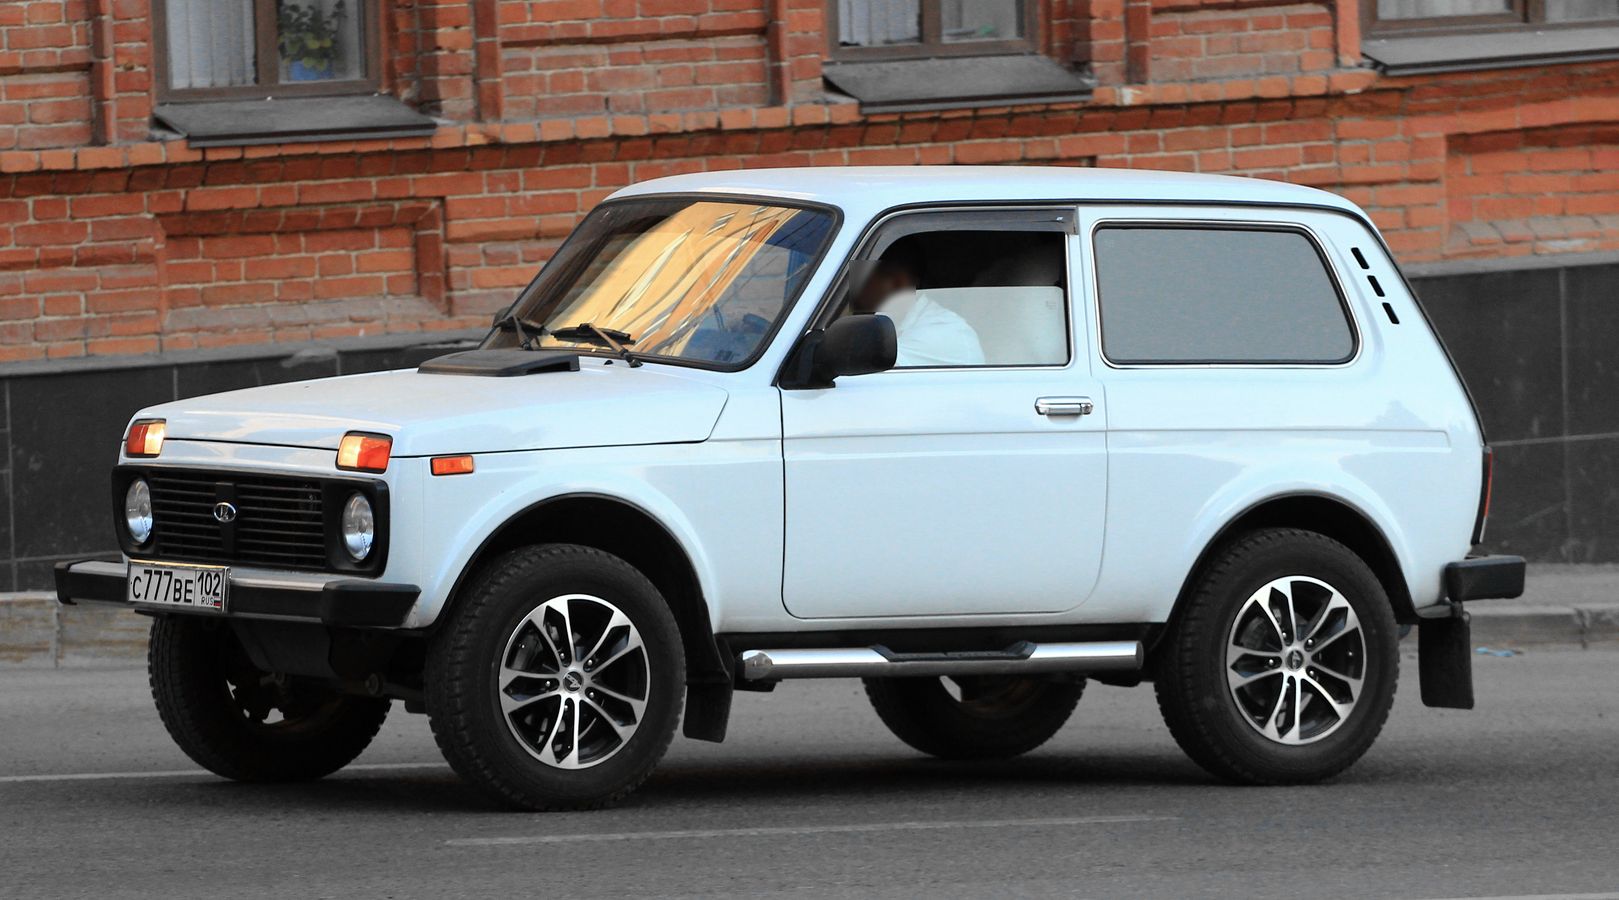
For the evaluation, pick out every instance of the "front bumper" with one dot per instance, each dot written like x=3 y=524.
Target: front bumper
x=256 y=594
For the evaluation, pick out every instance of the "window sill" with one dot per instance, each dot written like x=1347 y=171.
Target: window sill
x=238 y=123
x=914 y=85
x=1425 y=54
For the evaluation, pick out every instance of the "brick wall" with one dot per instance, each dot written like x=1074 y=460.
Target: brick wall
x=45 y=98
x=1194 y=40
x=1542 y=190
x=112 y=242
x=675 y=75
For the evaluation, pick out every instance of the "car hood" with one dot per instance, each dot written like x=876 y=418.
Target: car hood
x=597 y=406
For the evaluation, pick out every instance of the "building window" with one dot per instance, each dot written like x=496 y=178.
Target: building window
x=218 y=49
x=1428 y=15
x=926 y=28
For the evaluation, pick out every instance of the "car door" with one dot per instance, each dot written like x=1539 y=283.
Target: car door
x=955 y=488
x=1237 y=370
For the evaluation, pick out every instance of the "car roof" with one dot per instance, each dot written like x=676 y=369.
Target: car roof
x=869 y=189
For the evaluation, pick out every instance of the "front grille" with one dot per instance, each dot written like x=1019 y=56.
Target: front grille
x=280 y=522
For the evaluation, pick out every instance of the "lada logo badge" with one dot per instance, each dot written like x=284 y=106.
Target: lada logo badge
x=224 y=512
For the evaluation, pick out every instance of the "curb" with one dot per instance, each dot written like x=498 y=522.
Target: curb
x=37 y=632
x=1511 y=624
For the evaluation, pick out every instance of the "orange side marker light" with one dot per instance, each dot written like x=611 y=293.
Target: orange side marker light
x=452 y=465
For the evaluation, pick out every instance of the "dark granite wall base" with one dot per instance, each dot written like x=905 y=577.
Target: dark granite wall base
x=1539 y=347
x=1540 y=350
x=62 y=424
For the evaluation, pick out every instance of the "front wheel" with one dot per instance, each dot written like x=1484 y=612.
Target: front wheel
x=248 y=725
x=1281 y=667
x=558 y=684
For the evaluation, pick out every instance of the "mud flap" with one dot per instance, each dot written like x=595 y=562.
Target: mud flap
x=708 y=711
x=1445 y=660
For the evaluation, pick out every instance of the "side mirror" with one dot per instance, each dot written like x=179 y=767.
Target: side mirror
x=853 y=345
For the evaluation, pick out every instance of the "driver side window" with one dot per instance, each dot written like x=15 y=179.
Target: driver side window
x=967 y=297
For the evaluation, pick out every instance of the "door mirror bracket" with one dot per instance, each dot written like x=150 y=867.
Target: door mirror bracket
x=853 y=345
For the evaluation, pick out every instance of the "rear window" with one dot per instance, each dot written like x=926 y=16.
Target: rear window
x=1179 y=294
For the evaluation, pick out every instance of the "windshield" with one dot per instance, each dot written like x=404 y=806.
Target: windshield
x=701 y=281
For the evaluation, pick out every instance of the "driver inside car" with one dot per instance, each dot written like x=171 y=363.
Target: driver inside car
x=929 y=334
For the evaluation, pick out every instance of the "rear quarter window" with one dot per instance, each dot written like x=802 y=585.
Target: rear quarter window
x=1204 y=294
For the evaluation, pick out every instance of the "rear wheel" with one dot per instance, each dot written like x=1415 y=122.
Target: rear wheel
x=248 y=725
x=1282 y=667
x=558 y=684
x=976 y=717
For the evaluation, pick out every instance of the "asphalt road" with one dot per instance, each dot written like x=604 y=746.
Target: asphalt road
x=810 y=797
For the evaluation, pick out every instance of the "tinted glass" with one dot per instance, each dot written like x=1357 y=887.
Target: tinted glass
x=878 y=23
x=1217 y=295
x=1579 y=10
x=702 y=281
x=211 y=43
x=1432 y=9
x=966 y=297
x=981 y=20
x=319 y=40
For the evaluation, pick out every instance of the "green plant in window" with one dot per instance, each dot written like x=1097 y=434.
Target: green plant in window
x=308 y=38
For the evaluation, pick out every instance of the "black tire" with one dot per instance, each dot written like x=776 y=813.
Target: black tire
x=219 y=709
x=1222 y=734
x=996 y=717
x=463 y=687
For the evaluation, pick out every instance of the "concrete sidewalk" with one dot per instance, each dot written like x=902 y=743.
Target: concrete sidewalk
x=1562 y=604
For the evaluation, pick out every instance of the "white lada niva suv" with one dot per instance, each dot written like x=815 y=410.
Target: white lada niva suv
x=974 y=435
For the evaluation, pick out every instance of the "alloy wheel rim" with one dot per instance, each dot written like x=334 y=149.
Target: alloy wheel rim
x=1295 y=660
x=574 y=680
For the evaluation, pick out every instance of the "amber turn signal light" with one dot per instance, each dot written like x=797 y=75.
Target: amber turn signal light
x=452 y=465
x=145 y=437
x=362 y=452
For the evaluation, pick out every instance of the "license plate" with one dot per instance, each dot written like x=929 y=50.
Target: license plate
x=187 y=587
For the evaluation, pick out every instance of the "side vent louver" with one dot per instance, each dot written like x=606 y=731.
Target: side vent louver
x=1376 y=288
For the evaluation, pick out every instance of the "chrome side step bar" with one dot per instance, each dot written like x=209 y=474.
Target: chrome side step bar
x=880 y=662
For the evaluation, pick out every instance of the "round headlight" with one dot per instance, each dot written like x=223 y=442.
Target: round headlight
x=359 y=530
x=138 y=511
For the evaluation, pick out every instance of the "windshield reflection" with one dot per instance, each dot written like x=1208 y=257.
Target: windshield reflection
x=703 y=281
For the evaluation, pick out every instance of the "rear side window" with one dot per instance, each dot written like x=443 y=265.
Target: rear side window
x=1184 y=294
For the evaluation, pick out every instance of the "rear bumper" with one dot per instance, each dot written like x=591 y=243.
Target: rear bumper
x=256 y=594
x=1485 y=578
x=1444 y=639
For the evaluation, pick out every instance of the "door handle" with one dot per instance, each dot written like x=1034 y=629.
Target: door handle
x=1064 y=406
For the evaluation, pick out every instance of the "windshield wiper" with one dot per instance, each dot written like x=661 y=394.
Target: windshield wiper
x=611 y=338
x=513 y=322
